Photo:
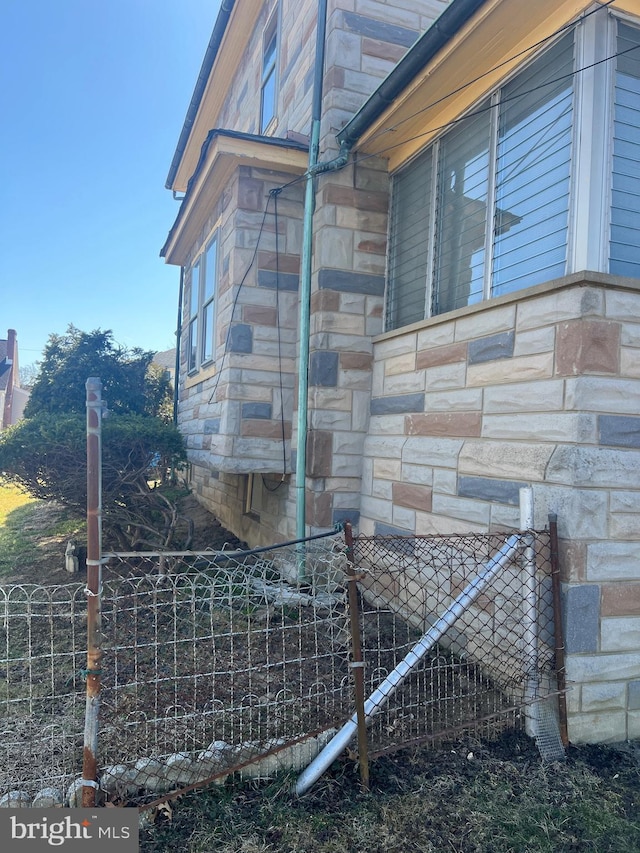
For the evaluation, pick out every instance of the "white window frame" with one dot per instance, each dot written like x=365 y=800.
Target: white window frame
x=591 y=159
x=200 y=307
x=269 y=73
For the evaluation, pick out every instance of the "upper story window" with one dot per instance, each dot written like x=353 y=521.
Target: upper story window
x=509 y=197
x=268 y=83
x=201 y=305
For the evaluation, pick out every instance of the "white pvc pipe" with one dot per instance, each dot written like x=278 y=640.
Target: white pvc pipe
x=340 y=741
x=531 y=614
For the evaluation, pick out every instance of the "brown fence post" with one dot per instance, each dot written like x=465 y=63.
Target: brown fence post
x=357 y=663
x=559 y=633
x=93 y=589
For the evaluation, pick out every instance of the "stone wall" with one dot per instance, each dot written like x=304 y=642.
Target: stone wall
x=539 y=388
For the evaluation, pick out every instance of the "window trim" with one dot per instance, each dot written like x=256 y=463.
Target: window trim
x=199 y=331
x=269 y=72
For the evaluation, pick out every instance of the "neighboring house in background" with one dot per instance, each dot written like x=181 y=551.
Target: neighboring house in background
x=474 y=310
x=13 y=398
x=167 y=361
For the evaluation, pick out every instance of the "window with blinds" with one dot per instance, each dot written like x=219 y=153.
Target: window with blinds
x=624 y=257
x=485 y=209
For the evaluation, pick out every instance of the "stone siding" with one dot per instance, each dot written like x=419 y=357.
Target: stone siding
x=533 y=391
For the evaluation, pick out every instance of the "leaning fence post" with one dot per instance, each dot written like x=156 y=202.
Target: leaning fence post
x=357 y=663
x=531 y=613
x=559 y=633
x=93 y=589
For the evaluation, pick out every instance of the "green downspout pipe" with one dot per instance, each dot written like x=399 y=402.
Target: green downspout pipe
x=304 y=322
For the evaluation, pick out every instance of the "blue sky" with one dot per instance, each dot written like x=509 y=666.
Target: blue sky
x=93 y=94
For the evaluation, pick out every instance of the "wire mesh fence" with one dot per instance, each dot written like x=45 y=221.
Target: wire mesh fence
x=221 y=663
x=490 y=669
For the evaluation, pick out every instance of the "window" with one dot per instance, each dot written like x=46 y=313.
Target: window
x=624 y=258
x=485 y=209
x=268 y=91
x=201 y=307
x=253 y=495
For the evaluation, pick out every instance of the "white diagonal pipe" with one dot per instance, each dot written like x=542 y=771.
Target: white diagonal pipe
x=340 y=741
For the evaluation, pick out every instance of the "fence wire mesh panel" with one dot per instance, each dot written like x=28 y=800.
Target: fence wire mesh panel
x=489 y=668
x=213 y=660
x=42 y=692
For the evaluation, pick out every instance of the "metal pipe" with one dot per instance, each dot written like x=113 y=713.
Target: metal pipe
x=357 y=662
x=93 y=589
x=304 y=323
x=176 y=378
x=395 y=678
x=558 y=632
x=530 y=615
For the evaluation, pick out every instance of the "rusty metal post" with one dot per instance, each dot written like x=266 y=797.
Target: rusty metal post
x=93 y=589
x=558 y=632
x=357 y=663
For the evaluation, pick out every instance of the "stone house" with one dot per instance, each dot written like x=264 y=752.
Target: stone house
x=13 y=398
x=447 y=311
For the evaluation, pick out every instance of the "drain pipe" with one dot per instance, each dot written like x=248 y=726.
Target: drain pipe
x=395 y=678
x=304 y=323
x=176 y=377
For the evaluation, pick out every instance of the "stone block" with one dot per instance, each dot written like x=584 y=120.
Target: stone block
x=619 y=431
x=395 y=346
x=538 y=426
x=463 y=400
x=633 y=725
x=603 y=394
x=438 y=333
x=594 y=466
x=537 y=396
x=520 y=461
x=404 y=363
x=397 y=404
x=622 y=304
x=335 y=399
x=431 y=524
x=523 y=368
x=473 y=511
x=491 y=348
x=403 y=518
x=382 y=489
x=444 y=424
x=558 y=306
x=323 y=368
x=504 y=517
x=319 y=453
x=581 y=616
x=446 y=376
x=386 y=425
x=604 y=727
x=404 y=383
x=380 y=30
x=624 y=526
x=419 y=475
x=603 y=667
x=630 y=332
x=630 y=362
x=437 y=355
x=387 y=469
x=535 y=341
x=412 y=496
x=611 y=561
x=437 y=452
x=620 y=634
x=381 y=446
x=486 y=489
x=621 y=599
x=278 y=280
x=587 y=346
x=256 y=411
x=489 y=320
x=582 y=513
x=634 y=696
x=445 y=480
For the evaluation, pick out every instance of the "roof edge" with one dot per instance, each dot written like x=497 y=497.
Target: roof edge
x=219 y=29
x=443 y=29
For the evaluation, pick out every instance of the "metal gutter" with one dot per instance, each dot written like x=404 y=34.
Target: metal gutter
x=219 y=29
x=454 y=17
x=274 y=141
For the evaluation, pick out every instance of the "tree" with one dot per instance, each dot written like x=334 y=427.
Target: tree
x=130 y=383
x=46 y=452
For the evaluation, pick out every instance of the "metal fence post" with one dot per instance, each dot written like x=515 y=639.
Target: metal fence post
x=357 y=663
x=559 y=633
x=93 y=589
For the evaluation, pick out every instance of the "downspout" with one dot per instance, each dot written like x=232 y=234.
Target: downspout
x=176 y=379
x=305 y=273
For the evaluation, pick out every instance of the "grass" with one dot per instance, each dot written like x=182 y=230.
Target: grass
x=33 y=535
x=477 y=798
